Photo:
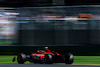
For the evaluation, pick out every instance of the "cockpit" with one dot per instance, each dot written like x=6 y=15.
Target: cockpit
x=40 y=51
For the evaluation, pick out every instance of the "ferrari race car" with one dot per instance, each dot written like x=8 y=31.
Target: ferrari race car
x=45 y=56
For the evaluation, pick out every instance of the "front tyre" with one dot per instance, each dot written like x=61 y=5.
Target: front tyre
x=69 y=58
x=48 y=59
x=21 y=58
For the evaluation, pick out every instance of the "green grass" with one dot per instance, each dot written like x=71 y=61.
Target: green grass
x=7 y=43
x=7 y=59
x=86 y=59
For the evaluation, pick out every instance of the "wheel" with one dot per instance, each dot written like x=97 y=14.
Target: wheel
x=36 y=62
x=69 y=58
x=21 y=58
x=41 y=61
x=48 y=59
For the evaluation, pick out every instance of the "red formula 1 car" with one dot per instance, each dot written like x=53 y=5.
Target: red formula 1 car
x=45 y=56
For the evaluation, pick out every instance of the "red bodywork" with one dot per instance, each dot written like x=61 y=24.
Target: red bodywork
x=39 y=55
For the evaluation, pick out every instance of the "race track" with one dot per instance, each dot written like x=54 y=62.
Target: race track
x=44 y=65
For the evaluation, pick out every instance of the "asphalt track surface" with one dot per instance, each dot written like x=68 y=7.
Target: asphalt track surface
x=44 y=65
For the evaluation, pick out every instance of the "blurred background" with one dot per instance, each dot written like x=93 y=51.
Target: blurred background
x=32 y=3
x=61 y=25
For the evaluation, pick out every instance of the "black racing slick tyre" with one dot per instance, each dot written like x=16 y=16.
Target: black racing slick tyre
x=48 y=59
x=21 y=58
x=69 y=58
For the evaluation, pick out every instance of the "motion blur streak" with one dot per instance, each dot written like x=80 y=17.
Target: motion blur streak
x=8 y=27
x=49 y=25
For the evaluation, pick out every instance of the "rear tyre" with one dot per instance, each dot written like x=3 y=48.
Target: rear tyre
x=48 y=59
x=69 y=58
x=21 y=58
x=41 y=62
